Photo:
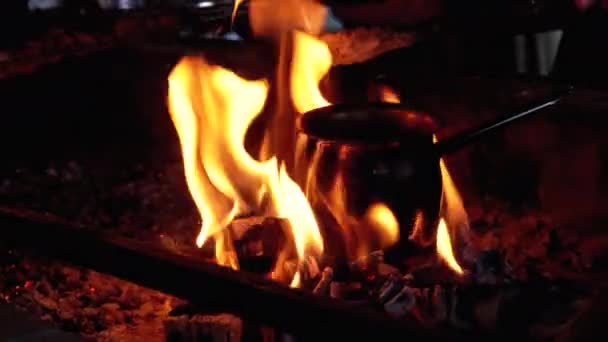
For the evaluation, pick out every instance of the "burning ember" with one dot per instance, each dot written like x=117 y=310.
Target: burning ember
x=212 y=109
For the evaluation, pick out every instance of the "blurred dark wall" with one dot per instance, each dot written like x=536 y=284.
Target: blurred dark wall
x=12 y=13
x=583 y=52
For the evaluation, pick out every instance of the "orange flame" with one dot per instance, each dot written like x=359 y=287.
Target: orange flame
x=385 y=223
x=223 y=179
x=290 y=202
x=453 y=211
x=212 y=108
x=389 y=95
x=311 y=61
x=454 y=219
x=377 y=229
x=444 y=247
x=235 y=10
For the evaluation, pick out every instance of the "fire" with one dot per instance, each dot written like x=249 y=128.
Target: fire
x=382 y=218
x=444 y=247
x=212 y=108
x=359 y=235
x=311 y=61
x=235 y=9
x=292 y=203
x=454 y=219
x=453 y=211
x=223 y=179
x=389 y=95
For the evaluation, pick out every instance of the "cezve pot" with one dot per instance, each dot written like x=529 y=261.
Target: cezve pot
x=352 y=156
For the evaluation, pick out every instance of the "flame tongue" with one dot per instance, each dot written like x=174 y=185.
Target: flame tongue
x=223 y=179
x=212 y=108
x=235 y=9
x=454 y=219
x=311 y=61
x=444 y=247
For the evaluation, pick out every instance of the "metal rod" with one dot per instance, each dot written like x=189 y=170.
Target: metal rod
x=469 y=136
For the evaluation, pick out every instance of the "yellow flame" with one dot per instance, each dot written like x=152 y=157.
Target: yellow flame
x=453 y=207
x=444 y=247
x=297 y=281
x=224 y=251
x=417 y=227
x=389 y=95
x=454 y=219
x=223 y=179
x=212 y=108
x=311 y=62
x=385 y=224
x=291 y=202
x=235 y=9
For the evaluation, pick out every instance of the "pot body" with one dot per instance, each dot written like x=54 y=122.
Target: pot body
x=345 y=172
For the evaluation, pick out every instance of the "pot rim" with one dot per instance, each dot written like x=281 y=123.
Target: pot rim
x=367 y=123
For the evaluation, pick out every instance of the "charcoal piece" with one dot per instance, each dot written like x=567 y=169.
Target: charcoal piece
x=401 y=303
x=258 y=242
x=325 y=281
x=176 y=329
x=485 y=312
x=390 y=288
x=445 y=305
x=368 y=263
x=217 y=328
x=439 y=298
x=347 y=290
x=385 y=270
x=290 y=266
x=309 y=268
x=457 y=317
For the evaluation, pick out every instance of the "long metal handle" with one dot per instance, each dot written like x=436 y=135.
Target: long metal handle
x=464 y=138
